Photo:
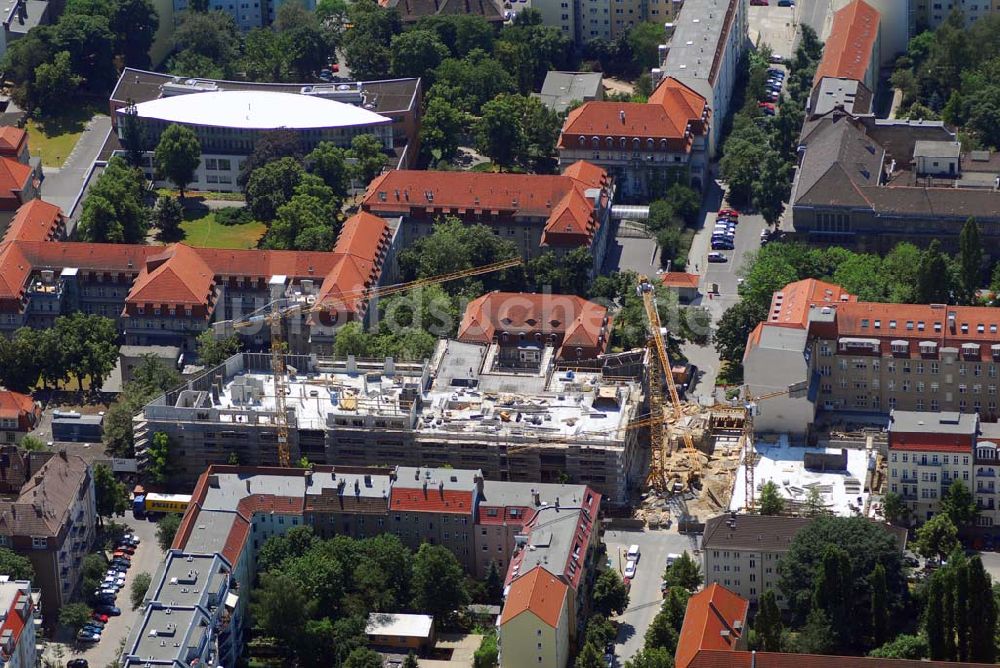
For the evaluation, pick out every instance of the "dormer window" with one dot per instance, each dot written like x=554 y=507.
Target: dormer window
x=892 y=324
x=900 y=347
x=920 y=325
x=864 y=323
x=937 y=326
x=583 y=140
x=981 y=329
x=878 y=324
x=909 y=325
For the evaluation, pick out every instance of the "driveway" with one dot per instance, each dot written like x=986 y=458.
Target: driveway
x=148 y=556
x=645 y=598
x=62 y=185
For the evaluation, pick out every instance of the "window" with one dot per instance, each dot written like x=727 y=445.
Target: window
x=39 y=543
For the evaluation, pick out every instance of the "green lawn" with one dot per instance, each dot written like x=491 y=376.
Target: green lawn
x=200 y=229
x=52 y=138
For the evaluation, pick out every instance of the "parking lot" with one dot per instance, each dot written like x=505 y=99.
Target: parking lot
x=645 y=597
x=146 y=559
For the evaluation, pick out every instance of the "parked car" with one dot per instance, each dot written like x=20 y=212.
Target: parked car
x=77 y=663
x=633 y=552
x=777 y=58
x=717 y=257
x=84 y=636
x=122 y=554
x=98 y=617
x=729 y=212
x=630 y=568
x=723 y=245
x=93 y=628
x=758 y=3
x=127 y=549
x=106 y=592
x=786 y=3
x=109 y=610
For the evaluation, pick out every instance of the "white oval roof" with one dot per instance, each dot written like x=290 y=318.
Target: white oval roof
x=257 y=110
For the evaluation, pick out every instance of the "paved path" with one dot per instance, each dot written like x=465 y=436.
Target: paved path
x=62 y=184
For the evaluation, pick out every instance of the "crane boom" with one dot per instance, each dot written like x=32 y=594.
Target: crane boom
x=749 y=465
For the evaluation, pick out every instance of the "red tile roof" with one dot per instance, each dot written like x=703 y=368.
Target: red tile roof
x=20 y=407
x=431 y=499
x=177 y=276
x=14 y=176
x=574 y=321
x=12 y=140
x=790 y=306
x=539 y=592
x=358 y=254
x=35 y=221
x=14 y=271
x=14 y=623
x=679 y=279
x=848 y=51
x=710 y=623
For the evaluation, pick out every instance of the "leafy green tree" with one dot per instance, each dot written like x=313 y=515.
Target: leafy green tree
x=32 y=444
x=168 y=216
x=440 y=128
x=140 y=585
x=970 y=260
x=329 y=162
x=894 y=508
x=281 y=608
x=114 y=211
x=461 y=33
x=90 y=44
x=438 y=582
x=212 y=36
x=311 y=43
x=410 y=661
x=498 y=136
x=600 y=631
x=111 y=496
x=152 y=376
x=269 y=147
x=767 y=623
x=609 y=596
x=982 y=614
x=369 y=158
x=367 y=45
x=158 y=458
x=816 y=637
x=134 y=24
x=934 y=619
x=487 y=655
x=937 y=537
x=879 y=606
x=15 y=565
x=589 y=657
x=472 y=81
x=959 y=505
x=363 y=657
x=74 y=615
x=933 y=276
x=685 y=202
x=166 y=529
x=833 y=592
x=272 y=185
x=87 y=346
x=903 y=646
x=178 y=155
x=305 y=222
x=654 y=657
x=321 y=578
x=416 y=53
x=55 y=82
x=453 y=246
x=684 y=573
x=278 y=549
x=771 y=502
x=644 y=40
x=734 y=327
x=744 y=152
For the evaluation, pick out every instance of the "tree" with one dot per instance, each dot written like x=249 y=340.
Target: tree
x=168 y=216
x=487 y=654
x=15 y=565
x=416 y=53
x=734 y=328
x=134 y=24
x=879 y=606
x=937 y=537
x=140 y=585
x=270 y=146
x=653 y=657
x=90 y=44
x=366 y=45
x=767 y=624
x=685 y=202
x=894 y=509
x=87 y=346
x=305 y=222
x=934 y=618
x=913 y=647
x=816 y=637
x=280 y=607
x=644 y=40
x=32 y=444
x=959 y=505
x=833 y=591
x=213 y=351
x=498 y=136
x=410 y=661
x=55 y=82
x=970 y=260
x=278 y=549
x=158 y=458
x=438 y=582
x=152 y=376
x=600 y=632
x=494 y=584
x=74 y=615
x=369 y=158
x=814 y=503
x=933 y=282
x=272 y=185
x=178 y=155
x=589 y=657
x=454 y=246
x=166 y=529
x=472 y=81
x=684 y=573
x=111 y=496
x=982 y=614
x=440 y=129
x=770 y=501
x=114 y=211
x=362 y=657
x=329 y=162
x=609 y=597
x=211 y=35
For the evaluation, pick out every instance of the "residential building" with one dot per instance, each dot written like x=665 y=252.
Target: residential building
x=560 y=90
x=52 y=522
x=715 y=619
x=644 y=147
x=411 y=11
x=399 y=632
x=852 y=51
x=741 y=552
x=246 y=15
x=524 y=325
x=19 y=17
x=457 y=408
x=166 y=296
x=36 y=220
x=534 y=627
x=230 y=137
x=18 y=185
x=19 y=414
x=705 y=44
x=586 y=20
x=897 y=25
x=18 y=616
x=842 y=355
x=709 y=640
x=14 y=144
x=871 y=183
x=930 y=14
x=200 y=593
x=537 y=212
x=832 y=92
x=684 y=284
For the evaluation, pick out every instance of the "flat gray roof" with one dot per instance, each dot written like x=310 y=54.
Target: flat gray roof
x=937 y=149
x=497 y=493
x=945 y=422
x=209 y=533
x=165 y=634
x=410 y=477
x=697 y=30
x=562 y=88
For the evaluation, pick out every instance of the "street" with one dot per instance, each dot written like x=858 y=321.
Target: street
x=62 y=185
x=148 y=557
x=644 y=595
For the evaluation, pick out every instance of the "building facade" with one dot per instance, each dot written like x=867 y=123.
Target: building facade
x=18 y=415
x=18 y=615
x=534 y=627
x=930 y=14
x=645 y=147
x=853 y=49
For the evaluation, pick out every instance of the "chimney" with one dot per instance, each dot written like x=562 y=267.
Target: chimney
x=535 y=498
x=621 y=114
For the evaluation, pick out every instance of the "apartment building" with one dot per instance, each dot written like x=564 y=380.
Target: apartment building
x=19 y=414
x=704 y=45
x=535 y=621
x=411 y=11
x=18 y=616
x=645 y=147
x=741 y=552
x=51 y=521
x=537 y=212
x=166 y=296
x=458 y=409
x=930 y=14
x=853 y=49
x=869 y=358
x=200 y=593
x=587 y=20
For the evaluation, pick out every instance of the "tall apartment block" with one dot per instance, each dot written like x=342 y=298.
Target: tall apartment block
x=586 y=20
x=932 y=13
x=463 y=408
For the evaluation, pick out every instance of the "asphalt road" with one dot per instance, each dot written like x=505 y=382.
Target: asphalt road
x=644 y=595
x=62 y=185
x=148 y=556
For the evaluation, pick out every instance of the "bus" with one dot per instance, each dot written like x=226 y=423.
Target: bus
x=151 y=502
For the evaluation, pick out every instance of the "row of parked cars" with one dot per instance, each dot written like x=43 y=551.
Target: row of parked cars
x=775 y=82
x=106 y=595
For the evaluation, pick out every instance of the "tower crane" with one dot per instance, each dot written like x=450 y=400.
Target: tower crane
x=659 y=362
x=275 y=313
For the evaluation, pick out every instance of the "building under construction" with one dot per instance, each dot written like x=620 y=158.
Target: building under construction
x=458 y=409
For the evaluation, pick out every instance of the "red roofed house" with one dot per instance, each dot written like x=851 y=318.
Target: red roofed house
x=18 y=184
x=537 y=212
x=18 y=415
x=715 y=619
x=852 y=51
x=536 y=620
x=36 y=220
x=684 y=284
x=644 y=146
x=14 y=144
x=524 y=325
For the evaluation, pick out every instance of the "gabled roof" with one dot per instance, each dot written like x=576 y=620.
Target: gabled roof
x=14 y=404
x=176 y=276
x=13 y=177
x=11 y=140
x=14 y=271
x=710 y=623
x=538 y=592
x=840 y=158
x=680 y=279
x=790 y=306
x=36 y=220
x=358 y=262
x=431 y=499
x=848 y=50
